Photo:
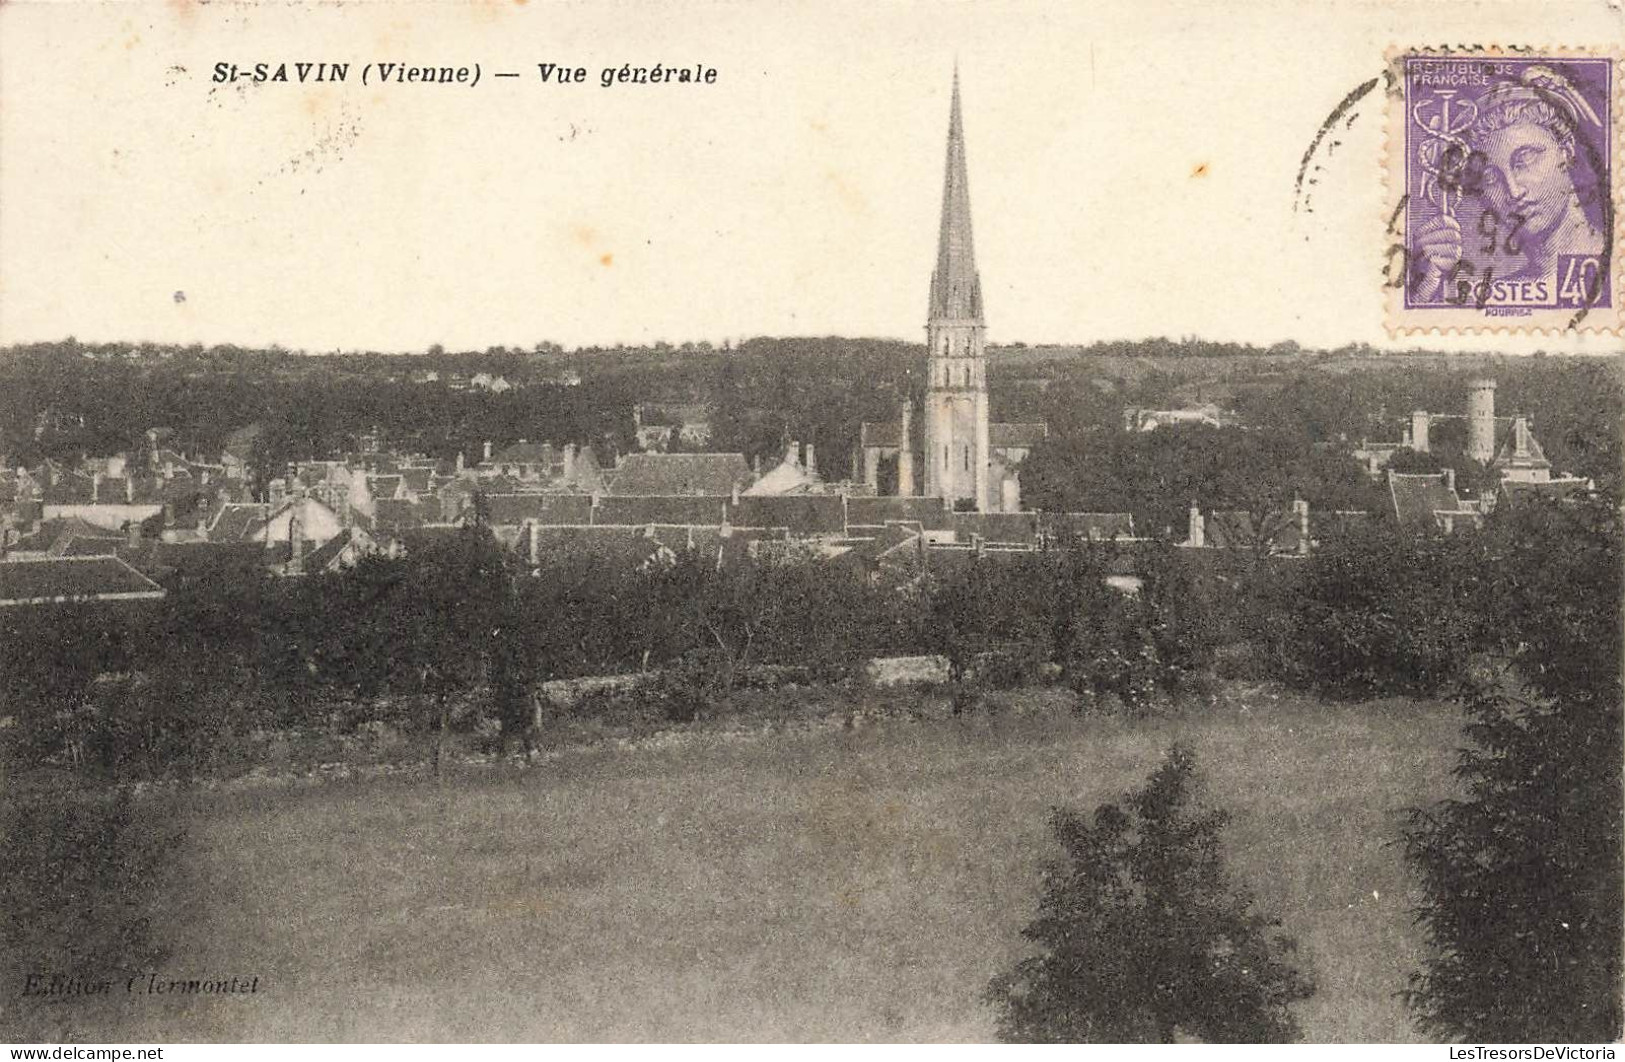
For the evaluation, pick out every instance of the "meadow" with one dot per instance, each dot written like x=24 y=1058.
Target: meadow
x=824 y=883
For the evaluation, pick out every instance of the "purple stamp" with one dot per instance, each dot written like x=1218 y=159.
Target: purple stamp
x=1509 y=213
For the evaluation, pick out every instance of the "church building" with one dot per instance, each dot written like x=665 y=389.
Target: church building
x=950 y=450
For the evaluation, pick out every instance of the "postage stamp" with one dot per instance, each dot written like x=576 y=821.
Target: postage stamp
x=1501 y=169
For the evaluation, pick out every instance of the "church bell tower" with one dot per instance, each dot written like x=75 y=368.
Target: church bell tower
x=956 y=413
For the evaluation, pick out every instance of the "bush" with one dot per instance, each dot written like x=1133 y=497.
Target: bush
x=1140 y=936
x=81 y=873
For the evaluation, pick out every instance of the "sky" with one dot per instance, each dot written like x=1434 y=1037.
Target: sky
x=1132 y=166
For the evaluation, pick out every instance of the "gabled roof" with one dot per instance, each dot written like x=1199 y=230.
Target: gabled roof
x=511 y=509
x=1417 y=497
x=59 y=579
x=625 y=547
x=1520 y=449
x=1517 y=492
x=804 y=514
x=640 y=511
x=159 y=560
x=1235 y=529
x=670 y=474
x=327 y=555
x=394 y=515
x=72 y=488
x=235 y=521
x=1094 y=526
x=524 y=453
x=789 y=476
x=929 y=513
x=1015 y=529
x=1016 y=436
x=384 y=488
x=893 y=544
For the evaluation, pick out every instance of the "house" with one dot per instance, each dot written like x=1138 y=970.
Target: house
x=1430 y=502
x=669 y=474
x=657 y=425
x=60 y=580
x=792 y=475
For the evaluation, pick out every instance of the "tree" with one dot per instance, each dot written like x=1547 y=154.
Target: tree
x=1521 y=878
x=1141 y=937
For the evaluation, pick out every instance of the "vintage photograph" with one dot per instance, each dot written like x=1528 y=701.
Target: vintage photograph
x=986 y=522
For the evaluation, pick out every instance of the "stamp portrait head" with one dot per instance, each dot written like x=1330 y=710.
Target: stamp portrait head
x=1533 y=145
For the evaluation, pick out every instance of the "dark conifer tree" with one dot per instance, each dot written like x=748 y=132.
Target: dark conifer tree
x=1141 y=936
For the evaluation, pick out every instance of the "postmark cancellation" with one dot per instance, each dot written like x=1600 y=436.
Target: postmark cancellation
x=1502 y=170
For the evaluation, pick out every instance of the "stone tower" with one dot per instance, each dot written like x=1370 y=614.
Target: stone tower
x=956 y=413
x=1481 y=421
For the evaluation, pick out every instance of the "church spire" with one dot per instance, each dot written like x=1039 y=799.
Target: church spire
x=956 y=290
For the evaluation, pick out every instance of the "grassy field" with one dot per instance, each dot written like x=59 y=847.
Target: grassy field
x=855 y=884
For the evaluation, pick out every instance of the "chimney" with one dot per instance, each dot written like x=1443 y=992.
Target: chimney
x=569 y=461
x=95 y=486
x=277 y=491
x=812 y=460
x=792 y=453
x=905 y=453
x=1197 y=535
x=487 y=450
x=1420 y=423
x=296 y=544
x=133 y=527
x=459 y=461
x=129 y=490
x=756 y=465
x=535 y=542
x=1300 y=509
x=205 y=477
x=202 y=519
x=1520 y=436
x=1450 y=478
x=735 y=499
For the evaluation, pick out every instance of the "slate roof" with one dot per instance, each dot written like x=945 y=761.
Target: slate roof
x=525 y=453
x=1093 y=526
x=159 y=560
x=71 y=489
x=1015 y=529
x=393 y=515
x=384 y=488
x=894 y=545
x=929 y=513
x=323 y=556
x=619 y=546
x=1520 y=449
x=1514 y=492
x=513 y=509
x=1234 y=529
x=641 y=510
x=1016 y=435
x=803 y=514
x=25 y=582
x=789 y=476
x=1417 y=497
x=669 y=474
x=235 y=521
